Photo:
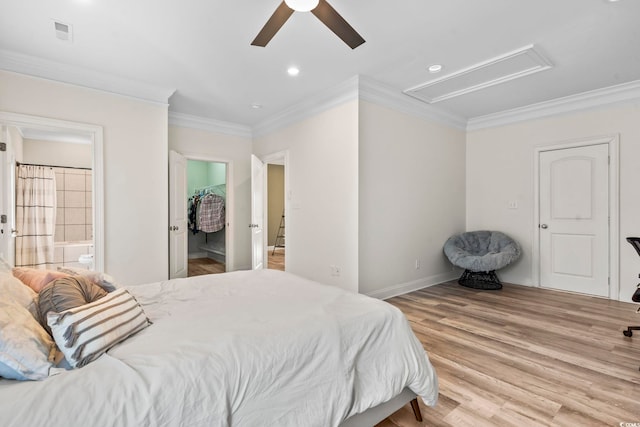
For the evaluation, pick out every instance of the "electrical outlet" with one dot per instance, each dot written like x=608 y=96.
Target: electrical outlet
x=335 y=270
x=512 y=204
x=417 y=263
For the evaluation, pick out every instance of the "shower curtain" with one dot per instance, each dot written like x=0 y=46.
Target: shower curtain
x=35 y=216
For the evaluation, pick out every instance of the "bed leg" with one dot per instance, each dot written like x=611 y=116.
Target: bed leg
x=416 y=410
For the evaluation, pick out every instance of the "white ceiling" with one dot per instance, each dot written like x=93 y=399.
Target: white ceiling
x=201 y=49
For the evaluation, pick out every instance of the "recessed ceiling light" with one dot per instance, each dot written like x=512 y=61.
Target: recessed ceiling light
x=293 y=71
x=256 y=106
x=435 y=68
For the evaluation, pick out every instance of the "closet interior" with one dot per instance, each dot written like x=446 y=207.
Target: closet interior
x=206 y=210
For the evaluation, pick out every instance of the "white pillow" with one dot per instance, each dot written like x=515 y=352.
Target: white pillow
x=4 y=266
x=26 y=350
x=84 y=333
x=13 y=290
x=103 y=280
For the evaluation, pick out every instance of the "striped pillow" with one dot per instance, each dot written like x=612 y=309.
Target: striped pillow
x=84 y=333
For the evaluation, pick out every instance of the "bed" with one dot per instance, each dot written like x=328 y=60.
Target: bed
x=247 y=348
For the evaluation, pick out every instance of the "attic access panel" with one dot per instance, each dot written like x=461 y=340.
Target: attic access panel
x=501 y=69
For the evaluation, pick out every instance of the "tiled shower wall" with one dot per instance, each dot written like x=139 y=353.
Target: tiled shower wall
x=74 y=215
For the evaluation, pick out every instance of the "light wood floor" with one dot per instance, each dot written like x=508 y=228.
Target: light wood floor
x=525 y=357
x=200 y=266
x=276 y=260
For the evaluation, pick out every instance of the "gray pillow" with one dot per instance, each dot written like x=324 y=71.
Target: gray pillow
x=65 y=293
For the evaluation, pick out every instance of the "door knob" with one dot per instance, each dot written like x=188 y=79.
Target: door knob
x=544 y=226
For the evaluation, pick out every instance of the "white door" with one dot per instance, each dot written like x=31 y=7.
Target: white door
x=5 y=230
x=574 y=219
x=7 y=198
x=257 y=213
x=178 y=262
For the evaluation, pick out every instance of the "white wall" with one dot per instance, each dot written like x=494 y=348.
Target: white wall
x=17 y=143
x=135 y=167
x=412 y=185
x=322 y=224
x=12 y=137
x=55 y=153
x=500 y=165
x=224 y=148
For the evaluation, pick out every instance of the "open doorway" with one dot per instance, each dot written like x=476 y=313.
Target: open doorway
x=276 y=224
x=276 y=209
x=68 y=154
x=206 y=206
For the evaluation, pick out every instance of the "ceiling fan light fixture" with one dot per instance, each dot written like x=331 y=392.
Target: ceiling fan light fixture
x=302 y=5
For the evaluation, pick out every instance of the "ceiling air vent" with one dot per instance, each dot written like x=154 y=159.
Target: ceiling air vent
x=500 y=69
x=63 y=31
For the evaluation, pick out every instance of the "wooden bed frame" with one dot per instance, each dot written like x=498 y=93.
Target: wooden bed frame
x=373 y=416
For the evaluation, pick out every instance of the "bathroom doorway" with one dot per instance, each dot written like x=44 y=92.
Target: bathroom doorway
x=64 y=152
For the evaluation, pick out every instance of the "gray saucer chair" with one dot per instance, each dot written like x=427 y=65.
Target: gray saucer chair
x=481 y=253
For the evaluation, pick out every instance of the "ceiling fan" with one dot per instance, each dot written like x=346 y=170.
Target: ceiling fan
x=321 y=9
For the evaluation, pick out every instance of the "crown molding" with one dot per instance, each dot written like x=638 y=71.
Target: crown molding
x=357 y=87
x=373 y=91
x=618 y=94
x=210 y=125
x=56 y=71
x=323 y=101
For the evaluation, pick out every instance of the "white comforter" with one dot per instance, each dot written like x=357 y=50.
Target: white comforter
x=251 y=348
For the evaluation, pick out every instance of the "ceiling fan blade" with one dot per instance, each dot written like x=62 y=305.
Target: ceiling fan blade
x=277 y=20
x=337 y=24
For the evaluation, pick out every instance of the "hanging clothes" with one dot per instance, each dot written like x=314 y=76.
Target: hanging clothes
x=192 y=211
x=211 y=213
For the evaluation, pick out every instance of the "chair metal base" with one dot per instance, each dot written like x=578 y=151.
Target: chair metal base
x=485 y=280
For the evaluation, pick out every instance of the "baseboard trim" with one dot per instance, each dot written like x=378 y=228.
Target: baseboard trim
x=404 y=288
x=196 y=255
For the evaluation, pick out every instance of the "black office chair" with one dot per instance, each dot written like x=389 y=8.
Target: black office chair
x=635 y=242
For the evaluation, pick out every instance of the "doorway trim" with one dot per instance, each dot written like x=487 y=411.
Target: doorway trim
x=229 y=204
x=613 y=141
x=278 y=158
x=96 y=134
